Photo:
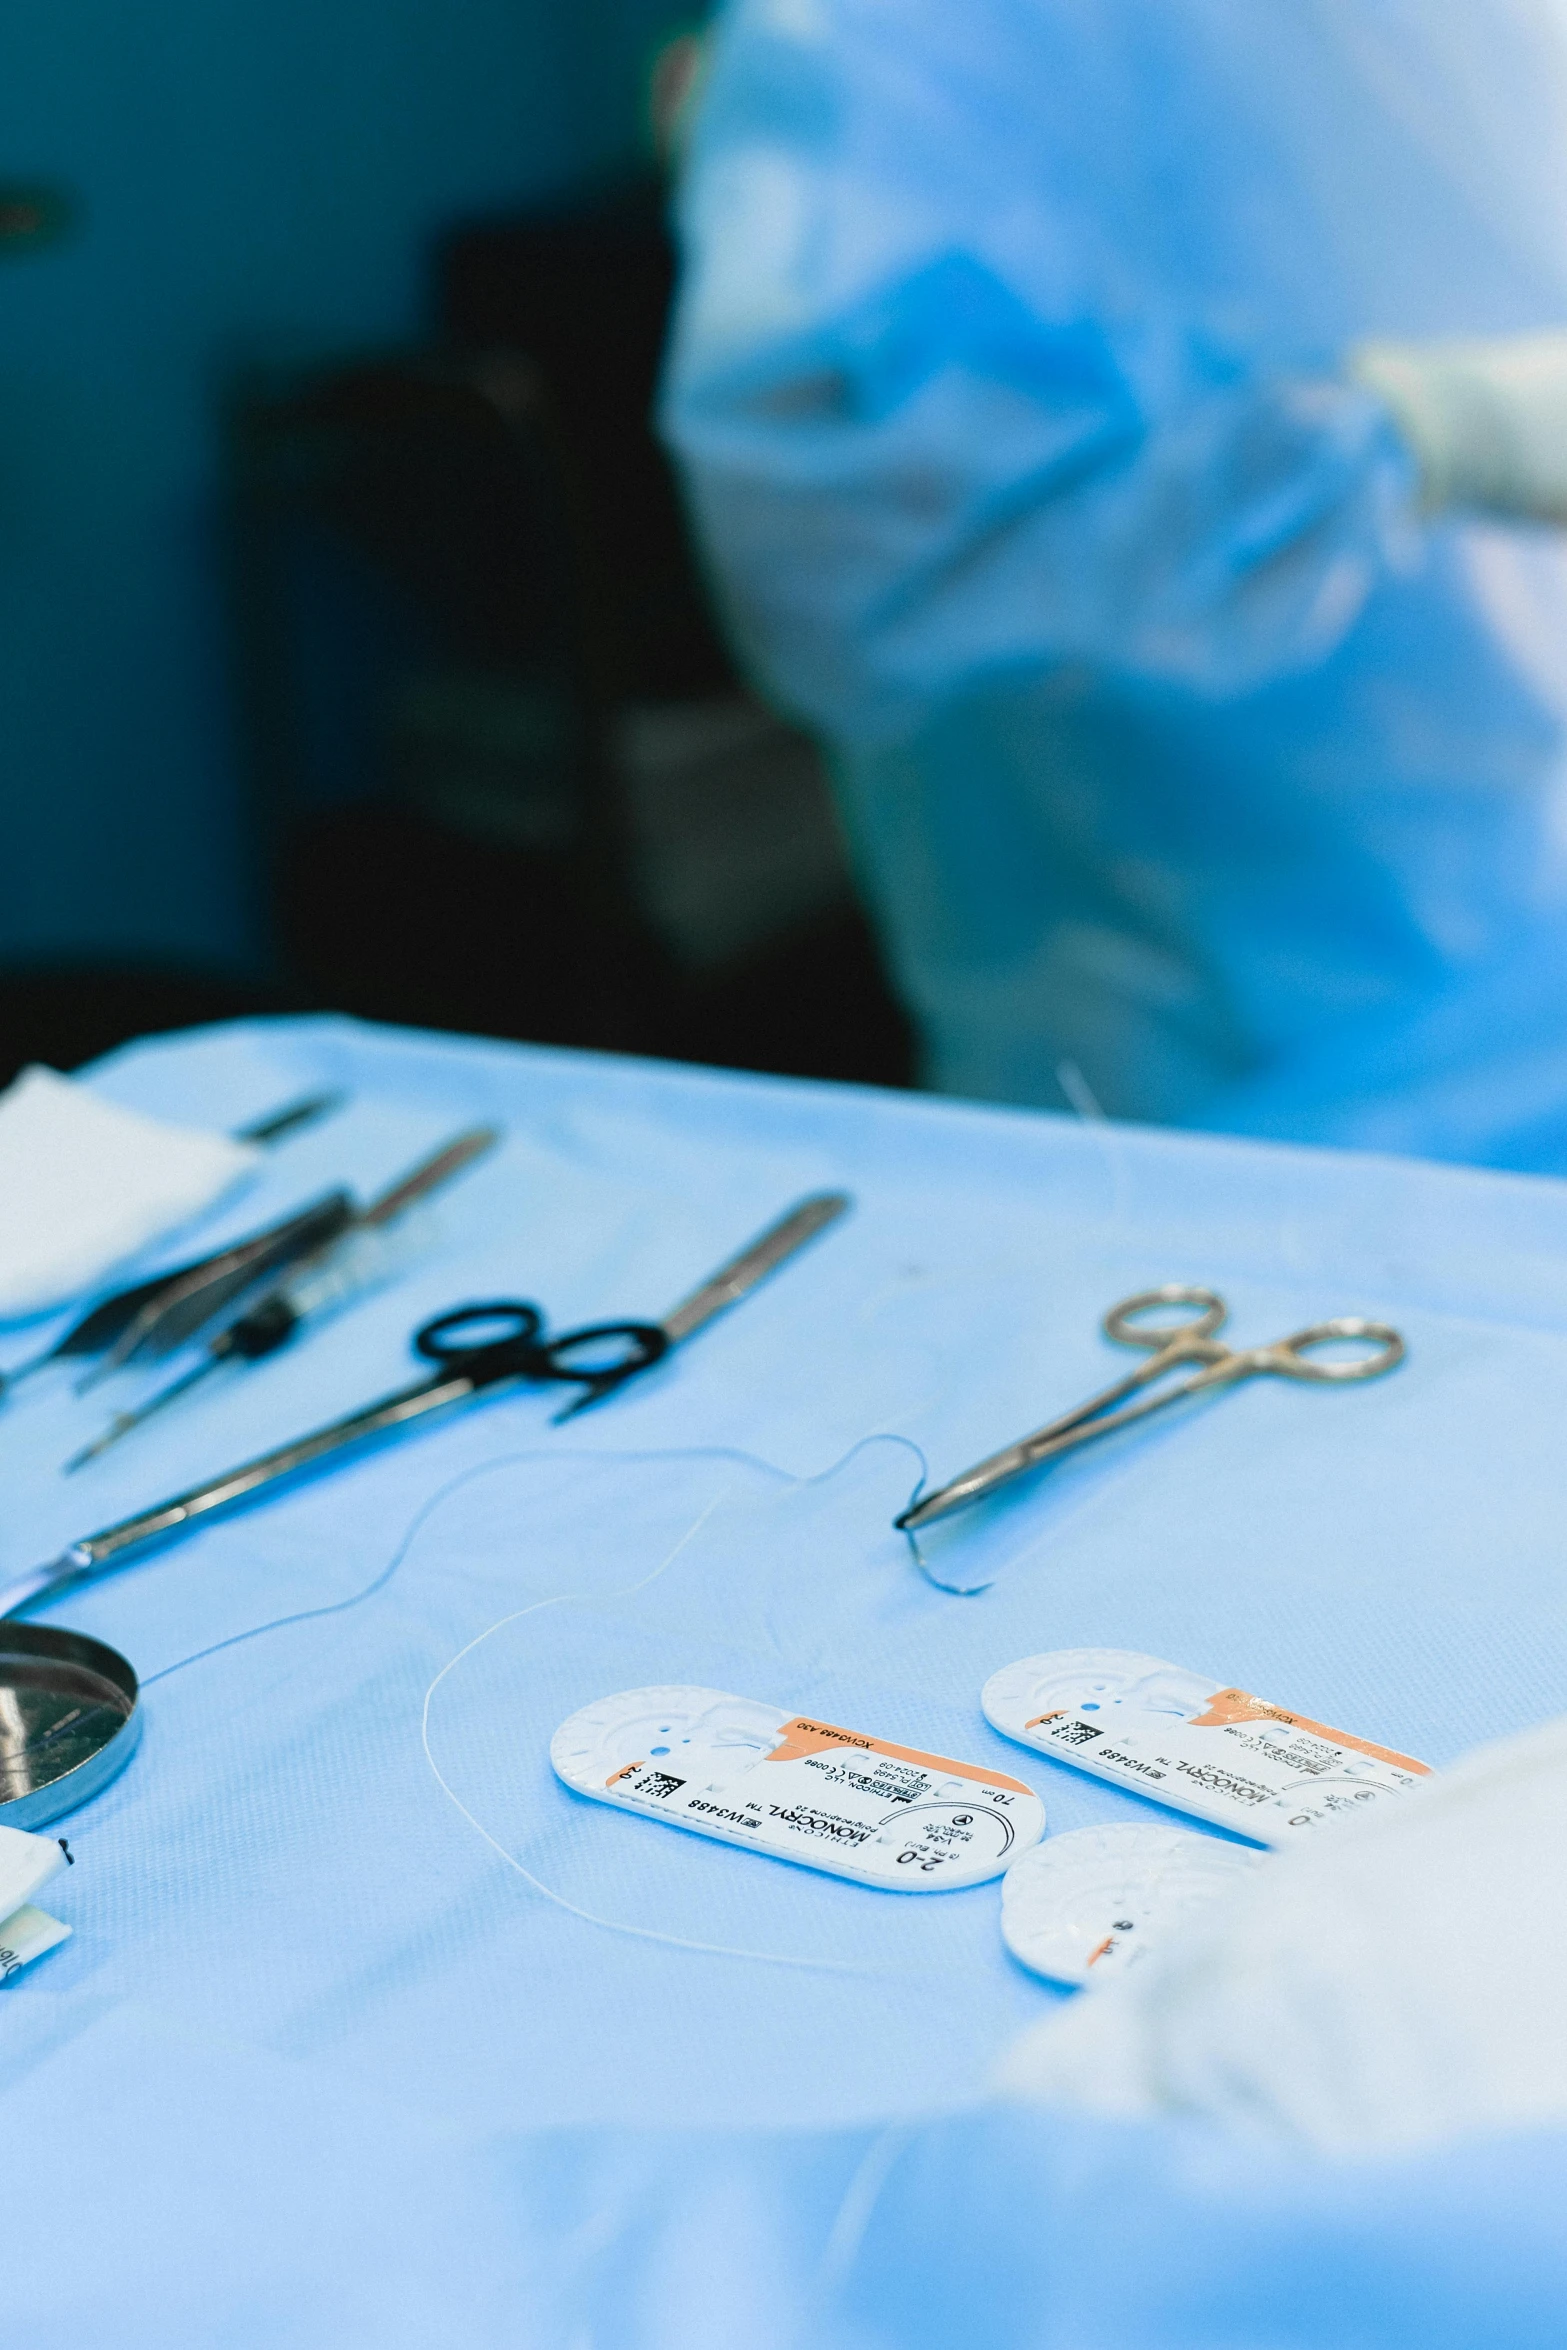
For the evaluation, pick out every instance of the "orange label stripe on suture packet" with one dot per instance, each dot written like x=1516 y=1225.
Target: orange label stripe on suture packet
x=1261 y=1770
x=800 y=1789
x=1238 y=1705
x=802 y=1737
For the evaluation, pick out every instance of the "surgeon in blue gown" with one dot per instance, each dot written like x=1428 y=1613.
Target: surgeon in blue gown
x=1134 y=433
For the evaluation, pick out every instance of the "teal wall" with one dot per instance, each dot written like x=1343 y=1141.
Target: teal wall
x=254 y=176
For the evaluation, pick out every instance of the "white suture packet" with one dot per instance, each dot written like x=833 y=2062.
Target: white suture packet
x=797 y=1788
x=1086 y=1906
x=1213 y=1750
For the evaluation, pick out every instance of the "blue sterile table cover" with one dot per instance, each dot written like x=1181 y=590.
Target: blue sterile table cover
x=369 y=2032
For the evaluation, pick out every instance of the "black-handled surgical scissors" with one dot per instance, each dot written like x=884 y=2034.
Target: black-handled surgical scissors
x=509 y=1342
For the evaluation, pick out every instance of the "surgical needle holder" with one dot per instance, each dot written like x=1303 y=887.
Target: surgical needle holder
x=1193 y=1339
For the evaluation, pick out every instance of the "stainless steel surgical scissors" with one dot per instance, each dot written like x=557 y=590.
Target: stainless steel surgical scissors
x=1193 y=1339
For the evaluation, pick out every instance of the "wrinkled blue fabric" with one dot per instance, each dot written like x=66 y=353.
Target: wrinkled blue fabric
x=369 y=2034
x=1189 y=769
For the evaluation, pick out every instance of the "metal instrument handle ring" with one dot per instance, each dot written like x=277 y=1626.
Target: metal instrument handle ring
x=1288 y=1356
x=1121 y=1325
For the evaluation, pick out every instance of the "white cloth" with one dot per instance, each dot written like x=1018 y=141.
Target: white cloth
x=1486 y=419
x=84 y=1184
x=1401 y=1982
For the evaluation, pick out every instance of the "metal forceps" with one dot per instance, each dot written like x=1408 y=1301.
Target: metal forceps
x=1192 y=1339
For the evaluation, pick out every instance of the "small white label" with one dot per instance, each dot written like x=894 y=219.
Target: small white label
x=1202 y=1747
x=1093 y=1902
x=25 y=1935
x=798 y=1788
x=26 y=1863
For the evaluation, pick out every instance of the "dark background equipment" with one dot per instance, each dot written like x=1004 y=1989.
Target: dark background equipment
x=503 y=775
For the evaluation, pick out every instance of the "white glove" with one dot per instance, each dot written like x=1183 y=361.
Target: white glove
x=1395 y=1981
x=1487 y=420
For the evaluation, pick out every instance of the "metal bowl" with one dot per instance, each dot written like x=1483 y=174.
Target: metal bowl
x=69 y=1720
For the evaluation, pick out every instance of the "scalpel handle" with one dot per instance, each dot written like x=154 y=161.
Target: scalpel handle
x=96 y=1553
x=430 y=1175
x=764 y=1255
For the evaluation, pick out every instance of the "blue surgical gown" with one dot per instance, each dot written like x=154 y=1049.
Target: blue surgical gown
x=1190 y=769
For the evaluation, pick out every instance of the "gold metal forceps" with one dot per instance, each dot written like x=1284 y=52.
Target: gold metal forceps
x=1192 y=1339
